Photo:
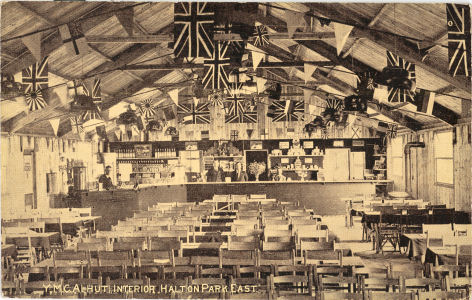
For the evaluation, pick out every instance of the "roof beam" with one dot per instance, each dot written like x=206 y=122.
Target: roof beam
x=262 y=65
x=52 y=41
x=392 y=43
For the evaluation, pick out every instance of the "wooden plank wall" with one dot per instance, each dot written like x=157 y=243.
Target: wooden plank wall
x=422 y=178
x=50 y=155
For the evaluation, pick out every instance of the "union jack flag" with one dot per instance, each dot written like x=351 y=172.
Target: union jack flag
x=458 y=28
x=391 y=132
x=261 y=36
x=216 y=76
x=96 y=96
x=146 y=108
x=193 y=29
x=395 y=94
x=288 y=110
x=334 y=103
x=235 y=48
x=366 y=80
x=238 y=110
x=194 y=114
x=35 y=84
x=77 y=124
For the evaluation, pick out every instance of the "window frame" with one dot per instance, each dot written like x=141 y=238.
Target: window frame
x=443 y=158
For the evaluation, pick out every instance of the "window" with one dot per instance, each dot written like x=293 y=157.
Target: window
x=397 y=156
x=443 y=154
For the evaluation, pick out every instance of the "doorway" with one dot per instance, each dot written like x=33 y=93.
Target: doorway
x=256 y=156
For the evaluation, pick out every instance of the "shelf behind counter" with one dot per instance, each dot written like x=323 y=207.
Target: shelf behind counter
x=322 y=196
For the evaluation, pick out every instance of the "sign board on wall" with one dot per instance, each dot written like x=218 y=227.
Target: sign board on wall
x=256 y=145
x=308 y=144
x=284 y=145
x=191 y=146
x=143 y=151
x=338 y=143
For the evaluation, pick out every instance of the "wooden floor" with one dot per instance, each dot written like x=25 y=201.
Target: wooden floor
x=351 y=238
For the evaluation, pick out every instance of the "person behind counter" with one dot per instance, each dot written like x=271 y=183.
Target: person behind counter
x=279 y=176
x=239 y=174
x=215 y=174
x=105 y=179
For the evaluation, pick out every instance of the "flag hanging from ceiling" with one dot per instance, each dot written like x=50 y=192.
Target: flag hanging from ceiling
x=73 y=38
x=287 y=110
x=396 y=94
x=235 y=48
x=35 y=84
x=458 y=29
x=147 y=109
x=77 y=125
x=215 y=68
x=261 y=36
x=194 y=114
x=193 y=29
x=237 y=110
x=94 y=92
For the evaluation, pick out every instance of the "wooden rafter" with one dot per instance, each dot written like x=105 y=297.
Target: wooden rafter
x=405 y=49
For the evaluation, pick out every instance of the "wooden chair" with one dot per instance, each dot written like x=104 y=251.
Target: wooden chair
x=338 y=295
x=310 y=233
x=291 y=285
x=277 y=235
x=348 y=284
x=88 y=282
x=278 y=246
x=372 y=295
x=267 y=258
x=461 y=284
x=210 y=288
x=38 y=288
x=422 y=284
x=440 y=295
x=380 y=284
x=248 y=288
x=112 y=263
x=163 y=288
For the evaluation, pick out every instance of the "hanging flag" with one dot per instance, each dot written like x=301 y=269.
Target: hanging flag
x=216 y=76
x=194 y=114
x=216 y=99
x=55 y=124
x=391 y=132
x=341 y=32
x=425 y=102
x=102 y=132
x=126 y=19
x=256 y=59
x=35 y=84
x=285 y=110
x=234 y=135
x=33 y=43
x=205 y=135
x=261 y=84
x=237 y=111
x=169 y=113
x=118 y=135
x=396 y=94
x=458 y=29
x=94 y=92
x=147 y=109
x=76 y=123
x=73 y=38
x=193 y=29
x=309 y=69
x=174 y=95
x=261 y=36
x=235 y=48
x=249 y=133
x=294 y=21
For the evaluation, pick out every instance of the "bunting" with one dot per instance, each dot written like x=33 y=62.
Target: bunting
x=193 y=29
x=256 y=58
x=249 y=133
x=458 y=29
x=55 y=124
x=33 y=43
x=309 y=69
x=341 y=32
x=35 y=83
x=126 y=19
x=174 y=95
x=261 y=84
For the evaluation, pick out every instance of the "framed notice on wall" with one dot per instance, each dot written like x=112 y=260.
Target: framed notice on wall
x=143 y=151
x=307 y=144
x=256 y=145
x=284 y=145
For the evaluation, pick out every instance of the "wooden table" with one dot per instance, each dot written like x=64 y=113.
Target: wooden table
x=447 y=255
x=37 y=239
